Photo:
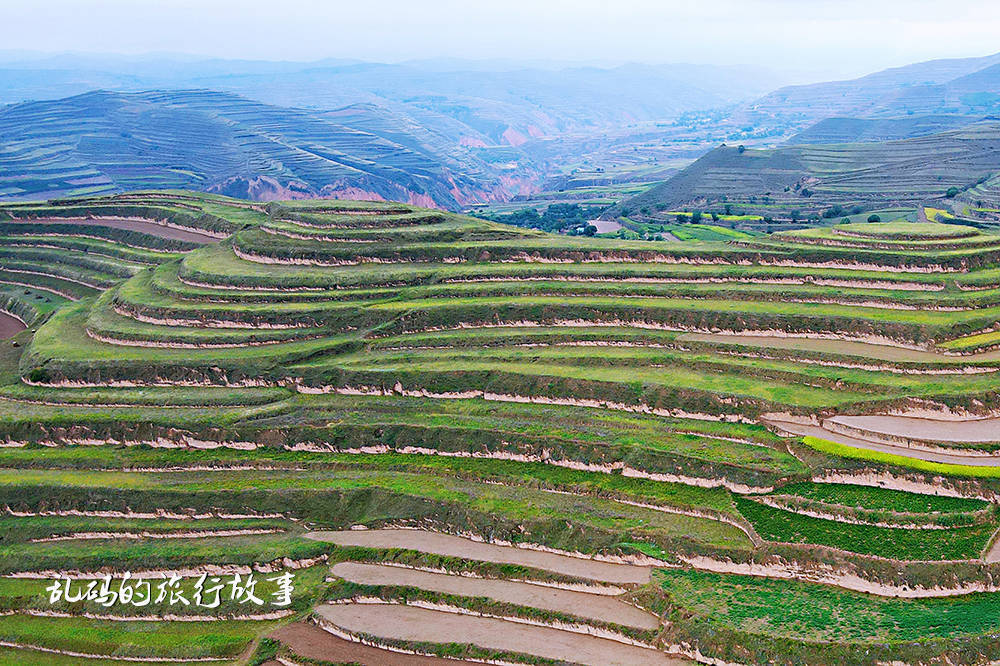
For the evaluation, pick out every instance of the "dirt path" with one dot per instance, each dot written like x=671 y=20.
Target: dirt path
x=932 y=456
x=453 y=546
x=978 y=431
x=151 y=228
x=582 y=604
x=10 y=325
x=865 y=350
x=993 y=554
x=311 y=642
x=419 y=624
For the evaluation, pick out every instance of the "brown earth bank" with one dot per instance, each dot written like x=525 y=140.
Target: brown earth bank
x=408 y=623
x=10 y=325
x=142 y=226
x=908 y=427
x=455 y=546
x=882 y=352
x=590 y=606
x=931 y=455
x=311 y=642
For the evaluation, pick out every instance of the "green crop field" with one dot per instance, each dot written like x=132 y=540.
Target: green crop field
x=194 y=385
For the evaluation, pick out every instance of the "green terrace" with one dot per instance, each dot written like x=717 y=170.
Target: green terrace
x=175 y=407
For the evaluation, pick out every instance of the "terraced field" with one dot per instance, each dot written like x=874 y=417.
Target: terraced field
x=812 y=178
x=481 y=442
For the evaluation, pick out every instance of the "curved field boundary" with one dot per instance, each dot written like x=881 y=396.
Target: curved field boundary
x=56 y=292
x=904 y=429
x=29 y=239
x=55 y=277
x=719 y=335
x=205 y=534
x=164 y=230
x=581 y=604
x=92 y=253
x=784 y=281
x=309 y=641
x=112 y=657
x=10 y=324
x=640 y=408
x=827 y=575
x=158 y=344
x=787 y=503
x=253 y=617
x=406 y=623
x=937 y=455
x=583 y=628
x=953 y=233
x=189 y=572
x=576 y=565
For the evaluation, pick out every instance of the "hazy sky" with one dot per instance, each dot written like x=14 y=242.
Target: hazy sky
x=844 y=37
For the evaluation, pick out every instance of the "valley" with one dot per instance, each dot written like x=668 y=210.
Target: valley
x=510 y=333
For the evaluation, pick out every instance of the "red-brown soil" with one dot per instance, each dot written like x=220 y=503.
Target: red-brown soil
x=311 y=642
x=583 y=604
x=9 y=326
x=454 y=546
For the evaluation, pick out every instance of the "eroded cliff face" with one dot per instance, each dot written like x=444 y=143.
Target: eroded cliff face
x=451 y=193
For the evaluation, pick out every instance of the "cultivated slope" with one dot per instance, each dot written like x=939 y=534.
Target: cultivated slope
x=105 y=142
x=812 y=177
x=742 y=412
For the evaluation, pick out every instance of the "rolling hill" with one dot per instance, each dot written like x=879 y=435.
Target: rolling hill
x=104 y=142
x=497 y=102
x=810 y=177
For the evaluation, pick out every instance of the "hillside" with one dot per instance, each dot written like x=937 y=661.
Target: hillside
x=776 y=449
x=106 y=142
x=966 y=86
x=855 y=130
x=813 y=177
x=499 y=102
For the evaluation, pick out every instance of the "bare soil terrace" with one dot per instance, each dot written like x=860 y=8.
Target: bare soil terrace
x=909 y=427
x=591 y=606
x=10 y=325
x=454 y=546
x=142 y=226
x=408 y=623
x=311 y=642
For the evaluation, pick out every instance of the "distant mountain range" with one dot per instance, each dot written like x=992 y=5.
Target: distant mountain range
x=961 y=86
x=504 y=103
x=451 y=133
x=903 y=135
